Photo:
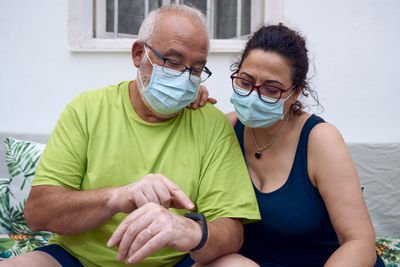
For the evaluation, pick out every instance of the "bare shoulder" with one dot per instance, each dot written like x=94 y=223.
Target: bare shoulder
x=329 y=160
x=232 y=117
x=325 y=136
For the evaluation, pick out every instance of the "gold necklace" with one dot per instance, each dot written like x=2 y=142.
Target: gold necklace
x=261 y=149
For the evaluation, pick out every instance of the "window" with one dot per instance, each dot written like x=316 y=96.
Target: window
x=112 y=25
x=122 y=18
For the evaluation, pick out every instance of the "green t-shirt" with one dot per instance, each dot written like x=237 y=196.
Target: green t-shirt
x=100 y=141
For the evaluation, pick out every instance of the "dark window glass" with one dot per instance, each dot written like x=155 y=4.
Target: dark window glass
x=132 y=12
x=199 y=4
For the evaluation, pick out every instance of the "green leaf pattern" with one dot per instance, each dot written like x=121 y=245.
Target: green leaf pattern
x=22 y=158
x=4 y=203
x=14 y=245
x=391 y=252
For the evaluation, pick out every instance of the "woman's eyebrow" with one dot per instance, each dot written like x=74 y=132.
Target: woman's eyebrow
x=266 y=81
x=274 y=81
x=246 y=74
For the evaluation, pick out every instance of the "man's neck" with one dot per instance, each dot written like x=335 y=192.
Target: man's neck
x=140 y=106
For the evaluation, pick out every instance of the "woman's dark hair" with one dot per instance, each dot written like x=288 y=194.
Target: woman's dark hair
x=289 y=44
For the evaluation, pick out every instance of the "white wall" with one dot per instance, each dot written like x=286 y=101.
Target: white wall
x=353 y=44
x=355 y=49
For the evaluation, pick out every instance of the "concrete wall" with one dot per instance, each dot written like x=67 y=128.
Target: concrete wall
x=353 y=46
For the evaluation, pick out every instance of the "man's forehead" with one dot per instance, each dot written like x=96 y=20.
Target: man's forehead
x=181 y=35
x=181 y=23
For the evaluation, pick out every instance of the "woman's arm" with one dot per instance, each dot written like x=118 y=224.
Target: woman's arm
x=334 y=174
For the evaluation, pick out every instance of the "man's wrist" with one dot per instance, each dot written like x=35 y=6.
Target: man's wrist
x=113 y=201
x=199 y=218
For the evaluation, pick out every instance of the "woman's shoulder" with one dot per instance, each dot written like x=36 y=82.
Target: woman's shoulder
x=325 y=134
x=327 y=150
x=232 y=117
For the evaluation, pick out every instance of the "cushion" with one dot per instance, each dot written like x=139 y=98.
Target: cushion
x=22 y=158
x=13 y=245
x=389 y=250
x=3 y=204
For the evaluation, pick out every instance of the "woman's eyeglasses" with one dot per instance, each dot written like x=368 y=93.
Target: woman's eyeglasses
x=267 y=93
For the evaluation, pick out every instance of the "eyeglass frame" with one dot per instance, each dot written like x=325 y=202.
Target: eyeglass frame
x=165 y=59
x=233 y=76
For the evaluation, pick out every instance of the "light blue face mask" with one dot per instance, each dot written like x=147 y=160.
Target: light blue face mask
x=255 y=113
x=168 y=94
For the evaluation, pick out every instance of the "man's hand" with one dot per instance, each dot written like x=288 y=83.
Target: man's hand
x=155 y=188
x=150 y=228
x=202 y=98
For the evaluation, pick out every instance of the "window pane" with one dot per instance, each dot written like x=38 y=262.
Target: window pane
x=110 y=16
x=246 y=17
x=154 y=4
x=199 y=4
x=132 y=12
x=130 y=15
x=225 y=19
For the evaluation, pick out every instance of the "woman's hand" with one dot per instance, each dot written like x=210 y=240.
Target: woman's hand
x=202 y=98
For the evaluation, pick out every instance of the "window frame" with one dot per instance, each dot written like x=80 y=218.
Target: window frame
x=81 y=32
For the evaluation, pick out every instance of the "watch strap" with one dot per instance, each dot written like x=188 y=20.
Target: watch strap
x=202 y=219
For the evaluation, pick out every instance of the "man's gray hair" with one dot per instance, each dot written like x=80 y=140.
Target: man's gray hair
x=151 y=20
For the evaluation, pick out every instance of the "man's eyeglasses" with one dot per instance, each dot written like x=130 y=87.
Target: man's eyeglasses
x=267 y=93
x=175 y=68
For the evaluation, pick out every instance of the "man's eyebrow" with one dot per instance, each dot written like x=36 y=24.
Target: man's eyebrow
x=174 y=53
x=181 y=57
x=266 y=81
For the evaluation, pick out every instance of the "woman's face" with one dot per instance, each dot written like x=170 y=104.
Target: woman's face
x=267 y=68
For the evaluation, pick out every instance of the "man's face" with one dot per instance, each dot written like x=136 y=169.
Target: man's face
x=179 y=37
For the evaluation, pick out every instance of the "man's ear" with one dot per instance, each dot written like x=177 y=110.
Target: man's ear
x=137 y=53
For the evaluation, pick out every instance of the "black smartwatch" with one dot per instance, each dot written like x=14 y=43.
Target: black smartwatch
x=202 y=219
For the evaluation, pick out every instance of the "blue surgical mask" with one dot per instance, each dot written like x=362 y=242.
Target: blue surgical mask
x=167 y=94
x=255 y=113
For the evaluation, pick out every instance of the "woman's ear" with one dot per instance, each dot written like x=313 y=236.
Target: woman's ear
x=137 y=53
x=299 y=89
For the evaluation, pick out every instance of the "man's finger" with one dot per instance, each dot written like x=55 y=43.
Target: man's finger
x=150 y=194
x=142 y=238
x=179 y=199
x=119 y=232
x=163 y=194
x=147 y=249
x=131 y=234
x=140 y=199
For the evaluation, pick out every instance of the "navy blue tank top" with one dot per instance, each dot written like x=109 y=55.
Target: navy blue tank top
x=295 y=229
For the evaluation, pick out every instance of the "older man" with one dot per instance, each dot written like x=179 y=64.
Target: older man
x=126 y=162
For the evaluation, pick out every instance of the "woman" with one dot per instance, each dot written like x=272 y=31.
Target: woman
x=310 y=199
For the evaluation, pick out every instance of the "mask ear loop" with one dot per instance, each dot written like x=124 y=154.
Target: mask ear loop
x=284 y=114
x=147 y=55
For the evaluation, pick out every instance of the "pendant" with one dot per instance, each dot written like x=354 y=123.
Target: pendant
x=257 y=155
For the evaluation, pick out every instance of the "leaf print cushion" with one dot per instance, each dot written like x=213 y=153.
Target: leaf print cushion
x=4 y=218
x=14 y=245
x=22 y=158
x=389 y=250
